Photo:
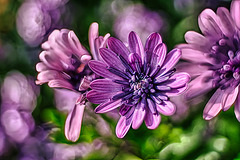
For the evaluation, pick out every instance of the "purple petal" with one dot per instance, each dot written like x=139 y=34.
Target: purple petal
x=135 y=44
x=123 y=126
x=178 y=80
x=171 y=59
x=75 y=44
x=229 y=98
x=74 y=122
x=195 y=56
x=235 y=12
x=237 y=108
x=59 y=83
x=126 y=110
x=138 y=116
x=41 y=67
x=228 y=26
x=100 y=68
x=214 y=105
x=159 y=55
x=153 y=40
x=48 y=75
x=118 y=47
x=176 y=91
x=209 y=24
x=105 y=85
x=151 y=105
x=135 y=61
x=152 y=121
x=167 y=108
x=98 y=97
x=108 y=106
x=193 y=37
x=111 y=59
x=92 y=35
x=199 y=85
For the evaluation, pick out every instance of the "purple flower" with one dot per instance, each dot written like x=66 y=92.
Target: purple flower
x=18 y=101
x=139 y=81
x=214 y=59
x=140 y=19
x=64 y=65
x=36 y=18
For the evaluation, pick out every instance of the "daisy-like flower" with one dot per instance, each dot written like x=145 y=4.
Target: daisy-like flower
x=214 y=59
x=64 y=65
x=139 y=81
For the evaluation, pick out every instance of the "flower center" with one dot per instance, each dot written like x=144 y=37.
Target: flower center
x=227 y=54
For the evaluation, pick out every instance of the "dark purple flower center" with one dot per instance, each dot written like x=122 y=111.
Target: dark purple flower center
x=140 y=83
x=227 y=54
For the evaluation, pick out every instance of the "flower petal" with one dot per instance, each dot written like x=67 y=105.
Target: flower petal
x=105 y=85
x=100 y=68
x=209 y=24
x=60 y=83
x=98 y=97
x=92 y=35
x=74 y=122
x=214 y=105
x=237 y=108
x=135 y=44
x=199 y=85
x=227 y=24
x=159 y=55
x=118 y=47
x=108 y=106
x=167 y=108
x=229 y=98
x=139 y=115
x=152 y=121
x=153 y=40
x=177 y=80
x=123 y=126
x=111 y=59
x=171 y=59
x=176 y=91
x=235 y=12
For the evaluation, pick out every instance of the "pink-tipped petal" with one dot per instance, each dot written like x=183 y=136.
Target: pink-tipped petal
x=123 y=126
x=214 y=105
x=229 y=98
x=76 y=45
x=153 y=40
x=73 y=123
x=152 y=121
x=159 y=55
x=138 y=116
x=167 y=108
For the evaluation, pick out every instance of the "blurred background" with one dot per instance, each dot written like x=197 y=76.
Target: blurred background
x=32 y=127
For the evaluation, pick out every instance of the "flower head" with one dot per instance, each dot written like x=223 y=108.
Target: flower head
x=139 y=81
x=64 y=65
x=214 y=59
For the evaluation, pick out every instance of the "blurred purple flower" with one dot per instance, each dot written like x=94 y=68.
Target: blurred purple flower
x=139 y=19
x=214 y=59
x=139 y=81
x=18 y=101
x=64 y=65
x=36 y=18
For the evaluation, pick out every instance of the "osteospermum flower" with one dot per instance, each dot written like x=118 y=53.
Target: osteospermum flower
x=64 y=65
x=139 y=81
x=214 y=59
